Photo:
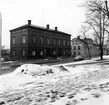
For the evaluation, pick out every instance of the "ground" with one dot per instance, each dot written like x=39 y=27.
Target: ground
x=76 y=83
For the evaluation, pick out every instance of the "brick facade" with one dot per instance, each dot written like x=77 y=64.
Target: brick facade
x=33 y=42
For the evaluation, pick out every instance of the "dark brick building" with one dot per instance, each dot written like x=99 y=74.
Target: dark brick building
x=33 y=42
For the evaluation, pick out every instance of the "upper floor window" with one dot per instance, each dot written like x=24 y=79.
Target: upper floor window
x=68 y=43
x=41 y=40
x=48 y=41
x=74 y=47
x=59 y=42
x=23 y=29
x=54 y=41
x=78 y=47
x=14 y=40
x=34 y=39
x=33 y=53
x=63 y=42
x=24 y=39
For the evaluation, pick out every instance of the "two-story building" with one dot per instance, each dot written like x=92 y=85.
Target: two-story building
x=80 y=46
x=33 y=42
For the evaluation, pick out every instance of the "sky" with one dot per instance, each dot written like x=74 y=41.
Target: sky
x=67 y=15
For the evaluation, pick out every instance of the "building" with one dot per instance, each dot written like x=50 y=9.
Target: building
x=79 y=47
x=30 y=42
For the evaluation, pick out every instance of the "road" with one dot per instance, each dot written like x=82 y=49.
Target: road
x=7 y=69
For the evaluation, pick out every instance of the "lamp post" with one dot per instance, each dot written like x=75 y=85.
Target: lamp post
x=0 y=42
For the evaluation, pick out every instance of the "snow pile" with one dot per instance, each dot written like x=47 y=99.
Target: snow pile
x=41 y=70
x=38 y=70
x=28 y=73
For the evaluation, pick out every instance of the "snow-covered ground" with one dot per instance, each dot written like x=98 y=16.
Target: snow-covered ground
x=61 y=84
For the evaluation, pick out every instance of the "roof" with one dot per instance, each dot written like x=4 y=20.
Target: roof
x=39 y=27
x=85 y=40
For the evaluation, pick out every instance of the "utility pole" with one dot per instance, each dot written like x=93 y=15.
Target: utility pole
x=0 y=43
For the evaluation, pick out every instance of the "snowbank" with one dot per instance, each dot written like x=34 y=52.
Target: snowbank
x=32 y=84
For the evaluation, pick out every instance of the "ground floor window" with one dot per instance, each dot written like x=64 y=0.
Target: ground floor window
x=33 y=53
x=74 y=54
x=23 y=52
x=13 y=52
x=41 y=52
x=54 y=52
x=78 y=53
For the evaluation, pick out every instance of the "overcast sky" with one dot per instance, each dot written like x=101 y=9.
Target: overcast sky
x=65 y=14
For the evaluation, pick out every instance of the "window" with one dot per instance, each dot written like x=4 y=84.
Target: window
x=41 y=52
x=13 y=40
x=68 y=43
x=78 y=47
x=23 y=52
x=33 y=53
x=78 y=53
x=54 y=41
x=24 y=39
x=74 y=53
x=48 y=41
x=13 y=52
x=41 y=40
x=74 y=47
x=64 y=53
x=34 y=39
x=23 y=29
x=63 y=42
x=59 y=42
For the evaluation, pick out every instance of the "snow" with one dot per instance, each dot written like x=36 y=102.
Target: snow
x=63 y=84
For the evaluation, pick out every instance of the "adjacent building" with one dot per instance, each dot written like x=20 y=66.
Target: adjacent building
x=80 y=47
x=30 y=42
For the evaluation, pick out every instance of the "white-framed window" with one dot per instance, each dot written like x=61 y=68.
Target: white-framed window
x=78 y=47
x=74 y=53
x=23 y=52
x=74 y=47
x=33 y=53
x=14 y=40
x=24 y=38
x=41 y=40
x=48 y=41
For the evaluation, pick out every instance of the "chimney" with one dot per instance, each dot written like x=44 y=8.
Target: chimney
x=56 y=28
x=78 y=37
x=47 y=26
x=29 y=22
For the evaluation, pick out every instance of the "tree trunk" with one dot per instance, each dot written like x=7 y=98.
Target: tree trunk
x=101 y=45
x=89 y=55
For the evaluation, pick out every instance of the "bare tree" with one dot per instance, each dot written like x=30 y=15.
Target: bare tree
x=84 y=33
x=97 y=19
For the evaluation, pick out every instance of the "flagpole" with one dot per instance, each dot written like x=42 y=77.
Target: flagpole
x=0 y=43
